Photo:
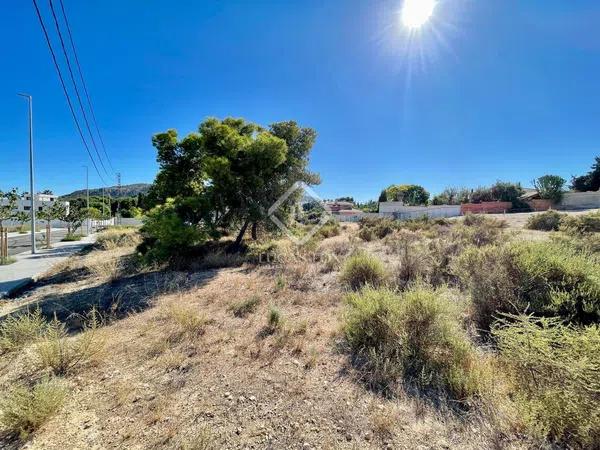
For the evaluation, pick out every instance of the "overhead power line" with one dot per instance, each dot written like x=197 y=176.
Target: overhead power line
x=83 y=83
x=64 y=87
x=67 y=59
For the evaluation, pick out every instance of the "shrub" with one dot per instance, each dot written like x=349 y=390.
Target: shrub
x=414 y=262
x=582 y=224
x=477 y=235
x=543 y=277
x=62 y=354
x=378 y=227
x=330 y=229
x=558 y=281
x=25 y=410
x=481 y=220
x=17 y=331
x=167 y=235
x=246 y=307
x=339 y=246
x=556 y=369
x=414 y=337
x=490 y=276
x=366 y=234
x=546 y=221
x=363 y=269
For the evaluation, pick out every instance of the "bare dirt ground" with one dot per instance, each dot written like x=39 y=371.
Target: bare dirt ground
x=221 y=381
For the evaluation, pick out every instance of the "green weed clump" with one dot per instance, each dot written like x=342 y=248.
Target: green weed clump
x=556 y=374
x=246 y=307
x=363 y=269
x=546 y=221
x=24 y=410
x=414 y=338
x=274 y=320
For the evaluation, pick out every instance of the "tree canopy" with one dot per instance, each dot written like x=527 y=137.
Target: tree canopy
x=229 y=172
x=409 y=194
x=589 y=181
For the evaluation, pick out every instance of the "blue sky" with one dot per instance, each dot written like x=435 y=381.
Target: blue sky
x=490 y=89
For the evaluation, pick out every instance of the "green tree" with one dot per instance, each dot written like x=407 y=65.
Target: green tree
x=505 y=191
x=550 y=187
x=452 y=196
x=8 y=205
x=383 y=196
x=230 y=172
x=21 y=217
x=49 y=213
x=589 y=181
x=74 y=218
x=409 y=194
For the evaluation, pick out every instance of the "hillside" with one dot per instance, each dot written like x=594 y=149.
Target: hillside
x=128 y=190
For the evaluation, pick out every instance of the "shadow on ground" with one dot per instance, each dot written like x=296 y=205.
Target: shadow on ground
x=113 y=299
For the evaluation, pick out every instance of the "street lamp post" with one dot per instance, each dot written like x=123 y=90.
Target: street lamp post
x=31 y=179
x=87 y=189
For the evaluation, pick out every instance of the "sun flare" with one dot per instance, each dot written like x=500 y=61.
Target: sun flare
x=415 y=13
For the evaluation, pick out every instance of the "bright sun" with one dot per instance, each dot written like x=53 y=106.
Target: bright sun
x=416 y=12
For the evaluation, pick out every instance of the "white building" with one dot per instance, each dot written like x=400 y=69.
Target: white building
x=42 y=201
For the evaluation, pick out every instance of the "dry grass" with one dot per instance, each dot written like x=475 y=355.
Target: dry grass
x=118 y=237
x=24 y=410
x=184 y=371
x=188 y=322
x=19 y=330
x=63 y=354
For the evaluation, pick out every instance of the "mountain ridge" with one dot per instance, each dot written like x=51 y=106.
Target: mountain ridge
x=126 y=190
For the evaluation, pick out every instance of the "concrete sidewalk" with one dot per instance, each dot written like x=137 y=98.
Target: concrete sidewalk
x=29 y=268
x=28 y=233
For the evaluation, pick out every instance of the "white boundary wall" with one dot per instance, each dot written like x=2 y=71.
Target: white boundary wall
x=580 y=200
x=403 y=212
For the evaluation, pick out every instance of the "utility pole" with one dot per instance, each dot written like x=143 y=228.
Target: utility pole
x=118 y=215
x=103 y=205
x=87 y=188
x=31 y=179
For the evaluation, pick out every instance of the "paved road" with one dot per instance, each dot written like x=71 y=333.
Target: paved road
x=22 y=243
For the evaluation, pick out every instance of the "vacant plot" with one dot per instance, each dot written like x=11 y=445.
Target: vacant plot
x=344 y=343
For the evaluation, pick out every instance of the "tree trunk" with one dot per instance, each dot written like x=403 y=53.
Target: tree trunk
x=238 y=241
x=254 y=231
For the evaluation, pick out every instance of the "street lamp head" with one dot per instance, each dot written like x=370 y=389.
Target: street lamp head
x=24 y=95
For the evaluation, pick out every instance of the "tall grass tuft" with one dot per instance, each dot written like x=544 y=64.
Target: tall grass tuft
x=63 y=354
x=17 y=331
x=24 y=410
